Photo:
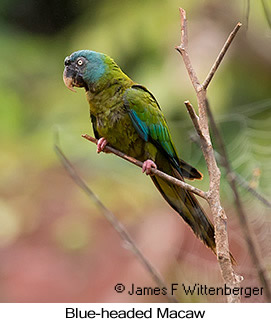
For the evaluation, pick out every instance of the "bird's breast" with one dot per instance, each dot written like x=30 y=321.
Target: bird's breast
x=117 y=128
x=113 y=121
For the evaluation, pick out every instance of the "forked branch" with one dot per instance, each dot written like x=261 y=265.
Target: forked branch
x=201 y=125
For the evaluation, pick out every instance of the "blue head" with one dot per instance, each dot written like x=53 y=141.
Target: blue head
x=84 y=68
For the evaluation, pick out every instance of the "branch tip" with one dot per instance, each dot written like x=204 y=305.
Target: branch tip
x=221 y=56
x=182 y=12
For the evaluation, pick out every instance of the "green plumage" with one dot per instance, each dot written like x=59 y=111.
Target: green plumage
x=152 y=128
x=128 y=116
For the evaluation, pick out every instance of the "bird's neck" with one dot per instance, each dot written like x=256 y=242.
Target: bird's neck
x=108 y=93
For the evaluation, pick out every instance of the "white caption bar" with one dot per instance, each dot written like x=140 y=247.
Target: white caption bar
x=44 y=313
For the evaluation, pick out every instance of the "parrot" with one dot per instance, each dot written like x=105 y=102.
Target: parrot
x=127 y=116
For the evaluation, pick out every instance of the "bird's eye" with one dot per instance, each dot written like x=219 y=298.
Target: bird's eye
x=80 y=62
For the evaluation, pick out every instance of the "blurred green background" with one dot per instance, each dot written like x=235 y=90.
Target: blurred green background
x=55 y=246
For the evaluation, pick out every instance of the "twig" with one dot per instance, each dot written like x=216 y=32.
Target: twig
x=182 y=50
x=194 y=118
x=201 y=125
x=239 y=179
x=242 y=182
x=248 y=234
x=154 y=171
x=111 y=218
x=220 y=56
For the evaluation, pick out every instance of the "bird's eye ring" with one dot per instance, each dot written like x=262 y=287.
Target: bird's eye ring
x=80 y=62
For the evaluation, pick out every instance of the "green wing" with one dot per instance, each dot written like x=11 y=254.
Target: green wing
x=151 y=125
x=148 y=120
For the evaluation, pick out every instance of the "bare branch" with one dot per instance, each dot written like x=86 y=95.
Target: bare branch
x=182 y=49
x=239 y=179
x=242 y=182
x=184 y=36
x=112 y=219
x=220 y=56
x=154 y=171
x=194 y=117
x=201 y=125
x=248 y=234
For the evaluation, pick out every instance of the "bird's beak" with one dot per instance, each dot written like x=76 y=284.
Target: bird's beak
x=68 y=81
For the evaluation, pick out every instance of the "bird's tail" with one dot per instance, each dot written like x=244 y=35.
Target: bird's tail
x=186 y=205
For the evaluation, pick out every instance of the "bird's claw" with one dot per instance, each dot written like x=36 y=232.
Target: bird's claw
x=102 y=142
x=147 y=165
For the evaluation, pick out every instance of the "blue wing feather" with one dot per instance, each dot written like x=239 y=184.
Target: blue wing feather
x=148 y=119
x=140 y=126
x=151 y=125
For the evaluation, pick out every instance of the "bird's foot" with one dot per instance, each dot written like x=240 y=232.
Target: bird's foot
x=102 y=142
x=147 y=165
